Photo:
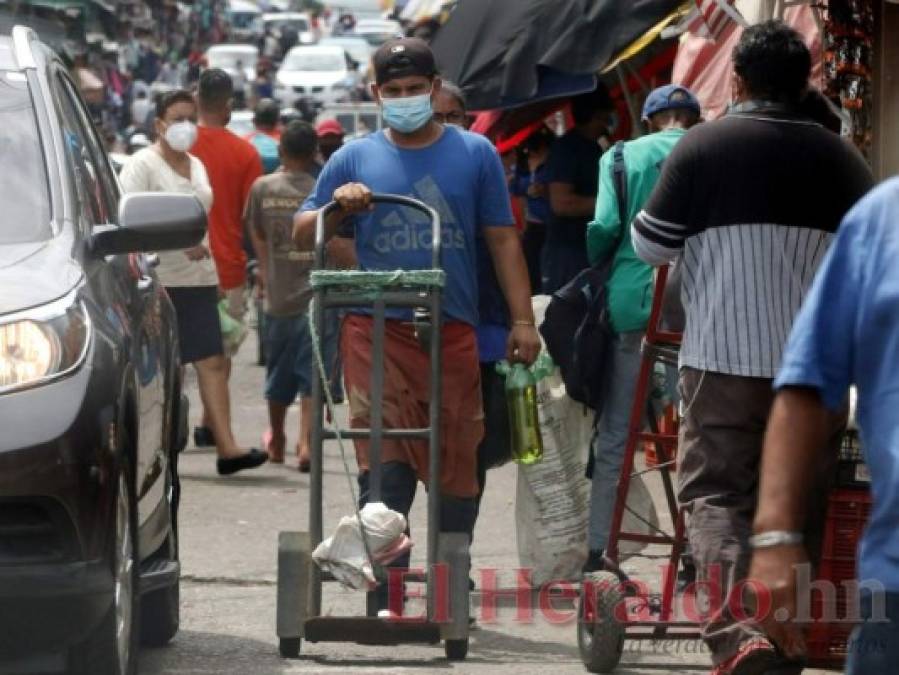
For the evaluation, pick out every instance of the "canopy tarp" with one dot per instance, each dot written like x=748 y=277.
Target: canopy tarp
x=500 y=52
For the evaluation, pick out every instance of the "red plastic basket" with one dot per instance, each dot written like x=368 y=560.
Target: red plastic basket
x=847 y=515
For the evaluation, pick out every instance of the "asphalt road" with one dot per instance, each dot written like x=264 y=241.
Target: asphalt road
x=229 y=531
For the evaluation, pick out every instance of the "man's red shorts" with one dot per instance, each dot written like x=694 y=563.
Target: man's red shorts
x=406 y=396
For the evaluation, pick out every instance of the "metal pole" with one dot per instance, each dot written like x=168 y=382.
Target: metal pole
x=316 y=518
x=376 y=397
x=631 y=105
x=434 y=493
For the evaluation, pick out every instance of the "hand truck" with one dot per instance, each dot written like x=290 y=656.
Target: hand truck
x=299 y=609
x=607 y=605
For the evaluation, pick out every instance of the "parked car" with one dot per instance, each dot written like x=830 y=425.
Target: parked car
x=357 y=119
x=228 y=56
x=357 y=47
x=378 y=31
x=298 y=22
x=324 y=73
x=91 y=406
x=241 y=123
x=243 y=20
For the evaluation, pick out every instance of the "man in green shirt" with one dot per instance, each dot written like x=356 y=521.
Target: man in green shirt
x=669 y=111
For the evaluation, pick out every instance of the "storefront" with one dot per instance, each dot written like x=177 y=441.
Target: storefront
x=885 y=154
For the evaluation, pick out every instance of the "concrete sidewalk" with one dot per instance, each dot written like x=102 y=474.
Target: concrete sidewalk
x=229 y=530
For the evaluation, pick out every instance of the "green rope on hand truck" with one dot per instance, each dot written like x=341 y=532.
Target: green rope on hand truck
x=376 y=282
x=372 y=284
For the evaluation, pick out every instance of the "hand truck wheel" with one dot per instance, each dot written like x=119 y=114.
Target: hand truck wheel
x=600 y=635
x=456 y=650
x=289 y=648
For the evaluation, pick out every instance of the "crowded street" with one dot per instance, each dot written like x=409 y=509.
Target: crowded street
x=478 y=336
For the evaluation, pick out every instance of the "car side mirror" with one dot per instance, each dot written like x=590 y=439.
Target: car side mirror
x=152 y=221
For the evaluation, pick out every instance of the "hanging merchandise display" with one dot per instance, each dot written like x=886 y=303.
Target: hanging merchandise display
x=848 y=54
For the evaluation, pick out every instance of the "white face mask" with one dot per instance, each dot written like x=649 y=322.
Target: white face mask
x=181 y=136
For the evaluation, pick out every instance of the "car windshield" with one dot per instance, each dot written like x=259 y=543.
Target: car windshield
x=23 y=192
x=376 y=39
x=315 y=61
x=230 y=59
x=357 y=48
x=243 y=19
x=299 y=25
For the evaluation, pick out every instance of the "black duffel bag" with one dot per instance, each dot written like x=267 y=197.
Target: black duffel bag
x=578 y=334
x=576 y=329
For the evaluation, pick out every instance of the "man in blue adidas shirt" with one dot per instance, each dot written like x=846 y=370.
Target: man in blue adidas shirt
x=460 y=175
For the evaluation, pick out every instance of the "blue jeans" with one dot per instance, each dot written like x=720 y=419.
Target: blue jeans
x=874 y=645
x=610 y=437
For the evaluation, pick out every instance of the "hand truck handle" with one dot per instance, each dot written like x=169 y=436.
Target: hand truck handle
x=377 y=198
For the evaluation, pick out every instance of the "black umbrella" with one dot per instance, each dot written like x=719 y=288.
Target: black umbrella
x=504 y=52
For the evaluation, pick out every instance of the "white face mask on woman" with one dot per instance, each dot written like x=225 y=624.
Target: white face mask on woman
x=181 y=136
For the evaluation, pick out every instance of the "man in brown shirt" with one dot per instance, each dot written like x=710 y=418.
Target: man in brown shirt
x=290 y=364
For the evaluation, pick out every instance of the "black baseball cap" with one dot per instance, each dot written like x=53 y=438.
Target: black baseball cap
x=402 y=57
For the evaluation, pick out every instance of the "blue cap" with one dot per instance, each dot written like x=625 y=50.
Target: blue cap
x=670 y=97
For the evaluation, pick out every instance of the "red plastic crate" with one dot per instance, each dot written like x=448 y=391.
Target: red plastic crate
x=847 y=514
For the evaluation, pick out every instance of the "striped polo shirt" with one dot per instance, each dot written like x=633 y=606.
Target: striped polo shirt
x=749 y=204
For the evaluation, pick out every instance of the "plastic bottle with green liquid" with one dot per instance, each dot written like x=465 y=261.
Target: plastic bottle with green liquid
x=521 y=399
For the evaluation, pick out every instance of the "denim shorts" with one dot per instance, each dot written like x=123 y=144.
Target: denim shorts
x=290 y=361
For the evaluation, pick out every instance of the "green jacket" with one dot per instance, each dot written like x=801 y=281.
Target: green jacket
x=630 y=284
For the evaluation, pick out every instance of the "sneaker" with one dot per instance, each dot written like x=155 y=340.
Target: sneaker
x=755 y=657
x=594 y=562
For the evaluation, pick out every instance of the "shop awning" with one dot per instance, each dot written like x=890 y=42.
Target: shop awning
x=500 y=52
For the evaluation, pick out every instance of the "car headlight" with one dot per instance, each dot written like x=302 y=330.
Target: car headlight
x=42 y=344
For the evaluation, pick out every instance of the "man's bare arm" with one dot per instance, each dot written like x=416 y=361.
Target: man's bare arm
x=304 y=227
x=798 y=429
x=565 y=202
x=512 y=274
x=352 y=197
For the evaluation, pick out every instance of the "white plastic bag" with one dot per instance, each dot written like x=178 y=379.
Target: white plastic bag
x=343 y=554
x=552 y=506
x=552 y=500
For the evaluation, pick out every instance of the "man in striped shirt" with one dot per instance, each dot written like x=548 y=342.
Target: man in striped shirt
x=750 y=203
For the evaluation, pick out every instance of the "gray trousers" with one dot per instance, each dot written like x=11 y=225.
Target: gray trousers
x=610 y=439
x=721 y=437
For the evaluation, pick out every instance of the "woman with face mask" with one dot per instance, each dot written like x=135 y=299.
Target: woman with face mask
x=189 y=276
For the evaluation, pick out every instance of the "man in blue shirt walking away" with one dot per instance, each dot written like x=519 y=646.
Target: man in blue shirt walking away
x=846 y=333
